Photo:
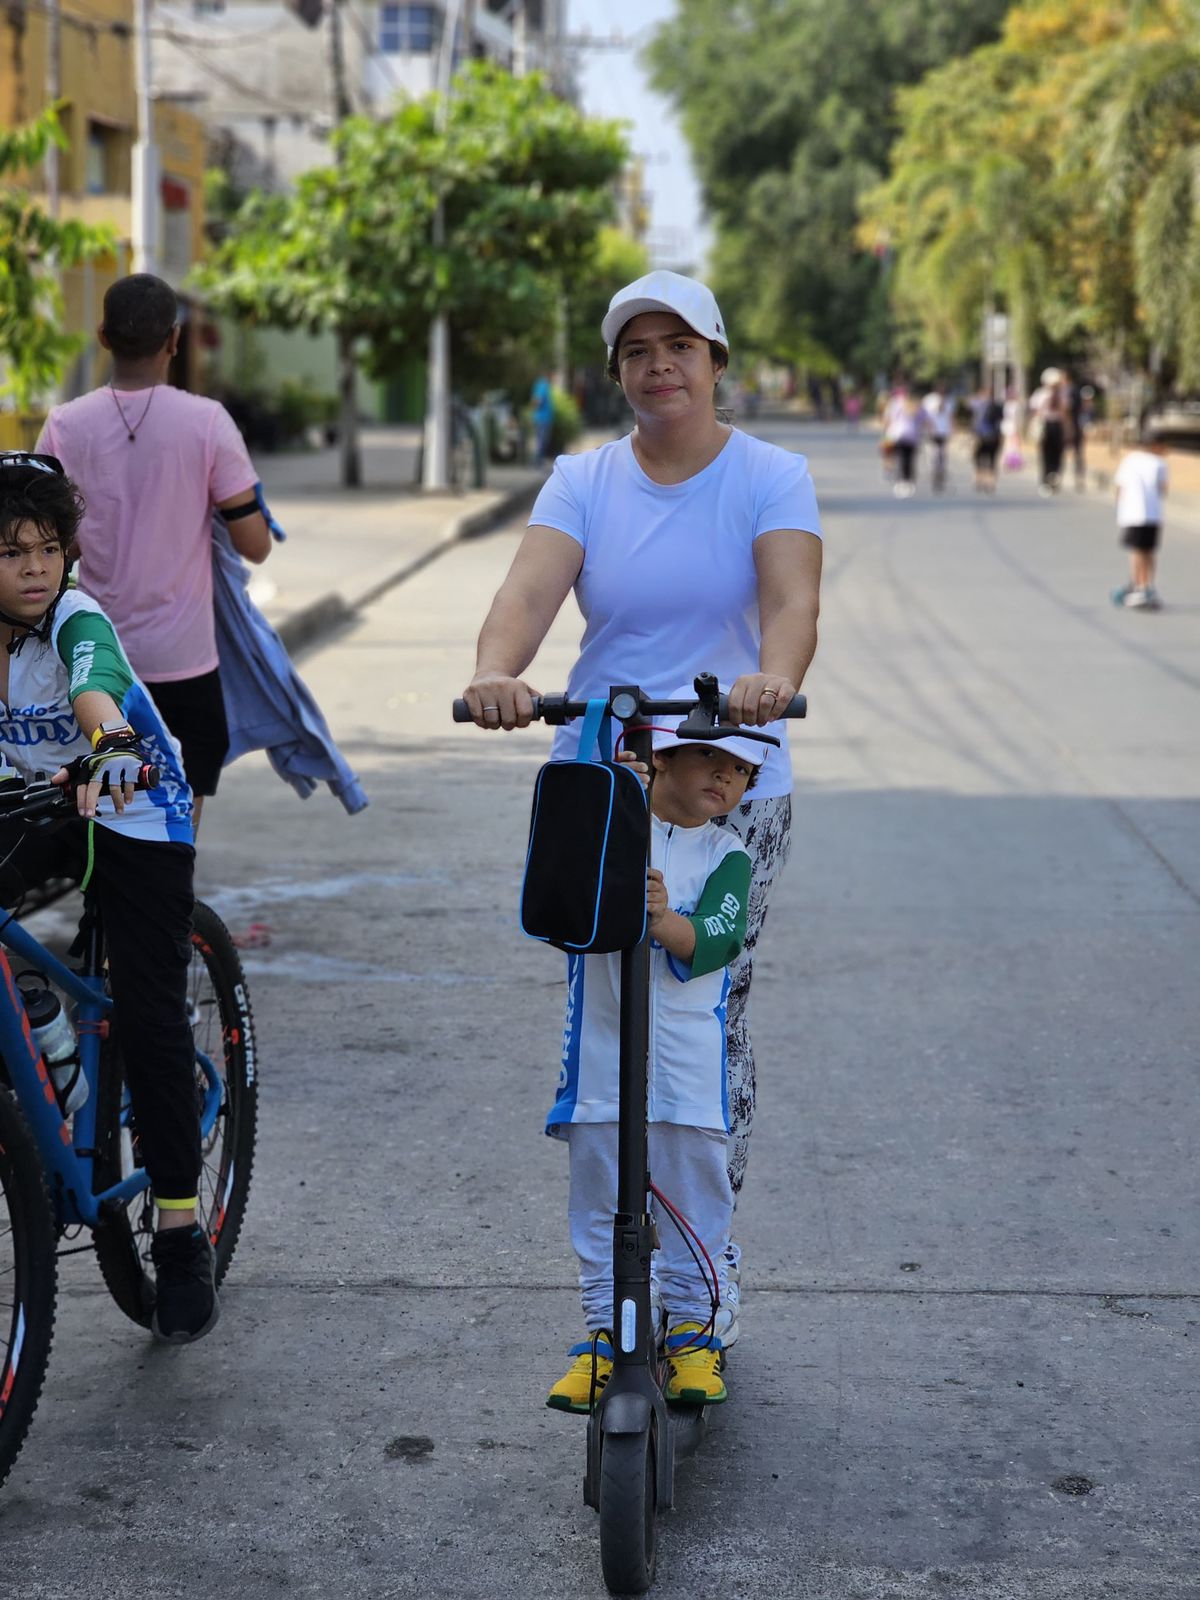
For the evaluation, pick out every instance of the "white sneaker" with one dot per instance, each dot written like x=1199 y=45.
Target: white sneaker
x=1141 y=600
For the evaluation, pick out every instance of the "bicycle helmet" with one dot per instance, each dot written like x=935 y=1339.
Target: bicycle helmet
x=26 y=462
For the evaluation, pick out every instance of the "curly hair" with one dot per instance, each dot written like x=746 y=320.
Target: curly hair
x=48 y=500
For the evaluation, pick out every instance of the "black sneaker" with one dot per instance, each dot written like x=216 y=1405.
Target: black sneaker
x=187 y=1306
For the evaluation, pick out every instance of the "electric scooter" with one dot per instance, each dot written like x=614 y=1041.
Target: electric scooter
x=633 y=1437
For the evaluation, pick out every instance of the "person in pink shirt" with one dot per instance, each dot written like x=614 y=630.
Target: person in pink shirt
x=152 y=462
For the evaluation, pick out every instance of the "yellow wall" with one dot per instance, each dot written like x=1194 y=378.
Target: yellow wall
x=97 y=76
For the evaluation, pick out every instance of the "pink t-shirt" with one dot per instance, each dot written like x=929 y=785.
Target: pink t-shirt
x=146 y=540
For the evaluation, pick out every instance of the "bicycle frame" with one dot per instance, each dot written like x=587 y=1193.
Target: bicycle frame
x=68 y=1148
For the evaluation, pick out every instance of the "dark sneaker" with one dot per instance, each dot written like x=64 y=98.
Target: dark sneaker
x=187 y=1306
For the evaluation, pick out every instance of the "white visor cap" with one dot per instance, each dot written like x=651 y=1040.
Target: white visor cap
x=665 y=291
x=749 y=750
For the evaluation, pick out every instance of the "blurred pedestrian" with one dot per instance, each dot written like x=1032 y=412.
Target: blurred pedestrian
x=1078 y=396
x=542 y=401
x=1141 y=487
x=987 y=414
x=938 y=407
x=1049 y=407
x=1010 y=432
x=904 y=422
x=153 y=462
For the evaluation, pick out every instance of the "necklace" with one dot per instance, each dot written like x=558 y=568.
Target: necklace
x=132 y=431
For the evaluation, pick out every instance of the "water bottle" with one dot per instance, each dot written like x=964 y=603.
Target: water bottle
x=55 y=1038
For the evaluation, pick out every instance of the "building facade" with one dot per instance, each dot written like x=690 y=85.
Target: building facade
x=95 y=73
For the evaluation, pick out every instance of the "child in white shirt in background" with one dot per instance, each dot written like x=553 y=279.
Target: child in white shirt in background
x=1141 y=485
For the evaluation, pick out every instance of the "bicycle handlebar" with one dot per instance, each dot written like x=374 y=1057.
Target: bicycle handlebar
x=41 y=798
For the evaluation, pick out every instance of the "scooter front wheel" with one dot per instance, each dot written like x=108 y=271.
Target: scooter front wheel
x=628 y=1503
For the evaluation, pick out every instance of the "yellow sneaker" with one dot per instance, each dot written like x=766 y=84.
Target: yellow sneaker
x=583 y=1382
x=695 y=1362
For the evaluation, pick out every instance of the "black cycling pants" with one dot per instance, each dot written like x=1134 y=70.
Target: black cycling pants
x=144 y=891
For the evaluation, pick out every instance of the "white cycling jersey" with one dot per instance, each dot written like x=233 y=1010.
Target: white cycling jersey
x=687 y=1014
x=40 y=732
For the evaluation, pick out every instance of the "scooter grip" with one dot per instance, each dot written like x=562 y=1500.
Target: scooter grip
x=797 y=707
x=462 y=711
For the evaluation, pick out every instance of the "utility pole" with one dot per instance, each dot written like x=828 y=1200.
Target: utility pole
x=145 y=151
x=53 y=95
x=435 y=473
x=351 y=461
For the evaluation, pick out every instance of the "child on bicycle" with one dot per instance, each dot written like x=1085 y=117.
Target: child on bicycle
x=696 y=898
x=69 y=701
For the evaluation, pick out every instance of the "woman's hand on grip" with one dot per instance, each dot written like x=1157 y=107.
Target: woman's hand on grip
x=757 y=698
x=496 y=700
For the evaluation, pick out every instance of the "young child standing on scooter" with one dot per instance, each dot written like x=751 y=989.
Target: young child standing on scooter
x=698 y=887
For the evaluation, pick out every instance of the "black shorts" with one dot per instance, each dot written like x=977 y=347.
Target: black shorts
x=1143 y=538
x=985 y=453
x=194 y=710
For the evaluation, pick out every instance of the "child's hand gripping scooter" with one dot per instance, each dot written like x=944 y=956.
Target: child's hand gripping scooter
x=633 y=1437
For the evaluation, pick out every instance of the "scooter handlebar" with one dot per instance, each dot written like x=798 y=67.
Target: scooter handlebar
x=563 y=710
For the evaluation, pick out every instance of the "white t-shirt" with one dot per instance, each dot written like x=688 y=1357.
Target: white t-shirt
x=668 y=586
x=939 y=408
x=1141 y=481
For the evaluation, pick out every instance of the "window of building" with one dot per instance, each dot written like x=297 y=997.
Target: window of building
x=405 y=29
x=99 y=162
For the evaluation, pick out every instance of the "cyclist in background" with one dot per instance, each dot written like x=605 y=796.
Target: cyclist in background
x=72 y=703
x=152 y=462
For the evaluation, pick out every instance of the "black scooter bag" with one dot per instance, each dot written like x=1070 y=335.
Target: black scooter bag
x=589 y=838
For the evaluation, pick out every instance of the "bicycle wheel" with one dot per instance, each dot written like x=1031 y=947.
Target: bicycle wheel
x=28 y=1278
x=628 y=1503
x=223 y=1029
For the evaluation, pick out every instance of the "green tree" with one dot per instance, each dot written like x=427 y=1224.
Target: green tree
x=788 y=106
x=34 y=349
x=616 y=260
x=1136 y=132
x=525 y=183
x=1054 y=174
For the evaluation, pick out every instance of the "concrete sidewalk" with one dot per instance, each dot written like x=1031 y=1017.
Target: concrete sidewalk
x=346 y=547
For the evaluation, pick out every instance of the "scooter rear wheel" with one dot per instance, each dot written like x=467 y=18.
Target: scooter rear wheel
x=628 y=1503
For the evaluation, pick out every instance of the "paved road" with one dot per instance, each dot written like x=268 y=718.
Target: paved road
x=971 y=1220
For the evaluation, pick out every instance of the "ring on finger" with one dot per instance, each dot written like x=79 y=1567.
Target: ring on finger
x=773 y=694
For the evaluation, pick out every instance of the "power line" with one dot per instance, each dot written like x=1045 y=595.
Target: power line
x=239 y=85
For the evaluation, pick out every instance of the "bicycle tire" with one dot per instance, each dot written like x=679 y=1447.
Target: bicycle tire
x=628 y=1506
x=122 y=1241
x=27 y=1234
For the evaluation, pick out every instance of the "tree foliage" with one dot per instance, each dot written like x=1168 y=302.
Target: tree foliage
x=524 y=182
x=1056 y=174
x=34 y=349
x=788 y=106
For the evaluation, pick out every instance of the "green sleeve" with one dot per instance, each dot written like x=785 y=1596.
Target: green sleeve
x=720 y=916
x=92 y=654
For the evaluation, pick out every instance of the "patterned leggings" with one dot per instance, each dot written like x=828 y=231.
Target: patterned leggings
x=765 y=828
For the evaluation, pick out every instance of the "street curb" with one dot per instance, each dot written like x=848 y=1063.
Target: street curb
x=334 y=610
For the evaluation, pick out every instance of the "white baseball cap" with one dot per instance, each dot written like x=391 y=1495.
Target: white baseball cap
x=665 y=291
x=751 y=751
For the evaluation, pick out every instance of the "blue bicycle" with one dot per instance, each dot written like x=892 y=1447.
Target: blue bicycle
x=64 y=1172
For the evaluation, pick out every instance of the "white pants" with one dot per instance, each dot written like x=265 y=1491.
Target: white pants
x=690 y=1166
